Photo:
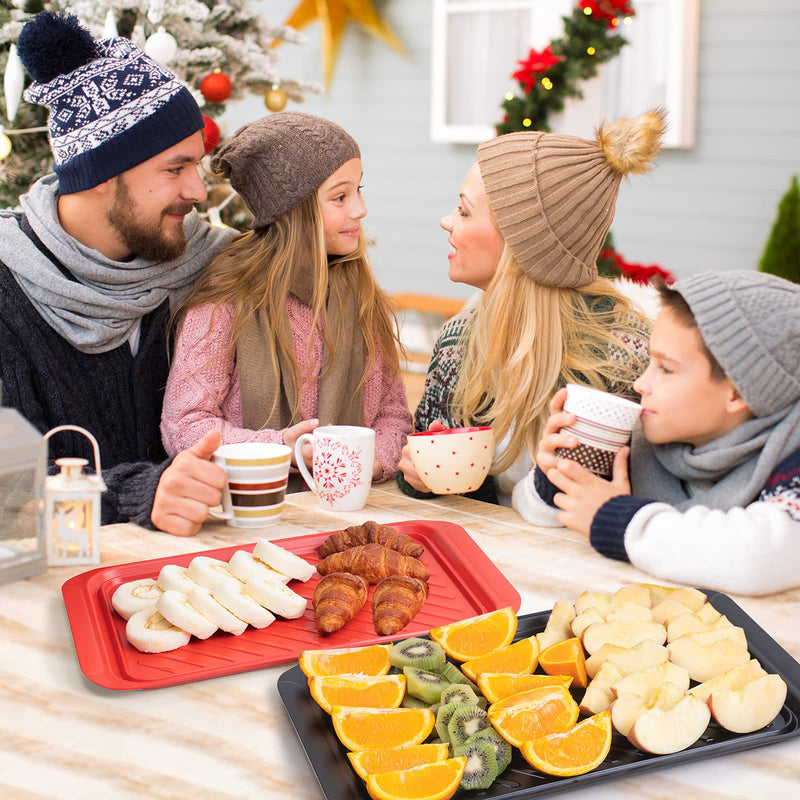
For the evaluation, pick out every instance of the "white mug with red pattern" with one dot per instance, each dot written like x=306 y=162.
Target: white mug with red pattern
x=343 y=459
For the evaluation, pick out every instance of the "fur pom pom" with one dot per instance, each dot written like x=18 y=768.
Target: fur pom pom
x=631 y=144
x=54 y=44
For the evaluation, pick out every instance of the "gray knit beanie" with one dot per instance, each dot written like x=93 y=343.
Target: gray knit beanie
x=553 y=195
x=750 y=321
x=278 y=161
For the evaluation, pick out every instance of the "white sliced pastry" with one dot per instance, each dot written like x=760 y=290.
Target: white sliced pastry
x=176 y=608
x=174 y=577
x=208 y=572
x=279 y=599
x=283 y=561
x=149 y=632
x=201 y=599
x=242 y=563
x=230 y=593
x=133 y=596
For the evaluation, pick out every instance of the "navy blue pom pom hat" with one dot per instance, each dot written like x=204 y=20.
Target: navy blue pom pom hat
x=112 y=110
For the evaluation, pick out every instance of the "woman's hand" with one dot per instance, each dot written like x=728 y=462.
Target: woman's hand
x=407 y=467
x=291 y=435
x=551 y=439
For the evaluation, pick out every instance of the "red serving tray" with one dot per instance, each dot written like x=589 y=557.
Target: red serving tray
x=464 y=582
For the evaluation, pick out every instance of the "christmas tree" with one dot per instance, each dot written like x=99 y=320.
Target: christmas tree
x=221 y=51
x=782 y=252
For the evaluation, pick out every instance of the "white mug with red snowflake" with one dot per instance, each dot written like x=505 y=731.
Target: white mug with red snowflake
x=342 y=463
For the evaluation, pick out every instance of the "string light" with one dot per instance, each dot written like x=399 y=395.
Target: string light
x=547 y=83
x=526 y=122
x=591 y=51
x=587 y=11
x=214 y=213
x=509 y=96
x=627 y=20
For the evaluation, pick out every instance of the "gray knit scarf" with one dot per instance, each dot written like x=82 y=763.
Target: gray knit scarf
x=99 y=311
x=737 y=464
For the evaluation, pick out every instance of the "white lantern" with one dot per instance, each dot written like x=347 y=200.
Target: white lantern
x=23 y=464
x=72 y=508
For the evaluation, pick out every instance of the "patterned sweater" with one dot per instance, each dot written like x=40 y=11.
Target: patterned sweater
x=753 y=550
x=445 y=366
x=203 y=387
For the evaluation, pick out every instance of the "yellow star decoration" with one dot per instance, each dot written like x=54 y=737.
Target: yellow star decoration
x=334 y=14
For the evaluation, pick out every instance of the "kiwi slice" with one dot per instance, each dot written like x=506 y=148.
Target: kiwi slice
x=502 y=749
x=424 y=685
x=416 y=652
x=409 y=701
x=465 y=721
x=455 y=675
x=481 y=768
x=443 y=718
x=461 y=693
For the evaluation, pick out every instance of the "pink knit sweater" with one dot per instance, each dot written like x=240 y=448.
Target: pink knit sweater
x=203 y=387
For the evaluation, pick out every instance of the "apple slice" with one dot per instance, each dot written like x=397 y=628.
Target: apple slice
x=729 y=633
x=598 y=695
x=708 y=613
x=632 y=594
x=694 y=599
x=644 y=655
x=625 y=710
x=706 y=661
x=669 y=731
x=584 y=620
x=558 y=627
x=647 y=682
x=624 y=634
x=732 y=679
x=751 y=707
x=602 y=602
x=667 y=609
x=686 y=624
x=630 y=612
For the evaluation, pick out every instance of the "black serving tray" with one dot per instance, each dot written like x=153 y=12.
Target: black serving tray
x=339 y=782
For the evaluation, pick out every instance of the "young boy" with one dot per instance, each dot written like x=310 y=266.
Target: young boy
x=713 y=497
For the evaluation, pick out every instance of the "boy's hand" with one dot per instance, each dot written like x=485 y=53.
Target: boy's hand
x=583 y=493
x=551 y=439
x=406 y=466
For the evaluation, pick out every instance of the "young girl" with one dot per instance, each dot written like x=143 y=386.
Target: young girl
x=287 y=329
x=532 y=217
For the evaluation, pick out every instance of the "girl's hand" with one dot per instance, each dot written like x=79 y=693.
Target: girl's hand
x=407 y=467
x=291 y=435
x=551 y=439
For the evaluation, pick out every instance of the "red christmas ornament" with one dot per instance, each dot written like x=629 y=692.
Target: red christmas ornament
x=211 y=134
x=216 y=87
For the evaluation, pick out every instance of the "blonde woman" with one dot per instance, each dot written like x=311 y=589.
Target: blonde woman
x=287 y=328
x=532 y=216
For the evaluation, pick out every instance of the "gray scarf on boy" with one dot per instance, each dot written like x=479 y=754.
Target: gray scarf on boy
x=99 y=310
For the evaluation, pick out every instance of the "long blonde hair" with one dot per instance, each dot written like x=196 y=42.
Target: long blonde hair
x=526 y=340
x=257 y=270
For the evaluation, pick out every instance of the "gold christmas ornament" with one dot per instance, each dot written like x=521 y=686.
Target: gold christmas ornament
x=275 y=99
x=334 y=14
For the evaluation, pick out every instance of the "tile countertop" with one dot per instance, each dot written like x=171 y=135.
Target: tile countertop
x=229 y=737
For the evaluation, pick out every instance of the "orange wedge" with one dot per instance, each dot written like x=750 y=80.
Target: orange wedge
x=367 y=691
x=574 y=752
x=477 y=636
x=437 y=781
x=518 y=657
x=374 y=728
x=372 y=660
x=373 y=762
x=497 y=685
x=565 y=658
x=533 y=713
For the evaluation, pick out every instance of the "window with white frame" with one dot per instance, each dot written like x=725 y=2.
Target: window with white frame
x=477 y=43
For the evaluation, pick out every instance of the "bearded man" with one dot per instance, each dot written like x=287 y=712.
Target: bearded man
x=94 y=261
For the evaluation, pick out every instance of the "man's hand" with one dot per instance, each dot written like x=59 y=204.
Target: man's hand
x=406 y=466
x=189 y=486
x=583 y=493
x=551 y=439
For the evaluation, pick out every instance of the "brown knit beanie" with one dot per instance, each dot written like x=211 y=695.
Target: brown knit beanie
x=554 y=195
x=278 y=161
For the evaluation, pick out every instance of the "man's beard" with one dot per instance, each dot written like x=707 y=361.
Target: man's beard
x=145 y=239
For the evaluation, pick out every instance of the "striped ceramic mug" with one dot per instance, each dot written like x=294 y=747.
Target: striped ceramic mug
x=256 y=487
x=603 y=424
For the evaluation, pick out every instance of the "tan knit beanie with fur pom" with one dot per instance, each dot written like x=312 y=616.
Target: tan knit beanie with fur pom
x=554 y=195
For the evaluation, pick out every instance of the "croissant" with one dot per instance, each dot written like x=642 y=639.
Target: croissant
x=368 y=533
x=396 y=601
x=338 y=597
x=373 y=561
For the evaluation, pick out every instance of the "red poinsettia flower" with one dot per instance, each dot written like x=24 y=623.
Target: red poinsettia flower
x=607 y=10
x=638 y=273
x=535 y=64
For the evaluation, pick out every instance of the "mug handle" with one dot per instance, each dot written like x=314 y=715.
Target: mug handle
x=227 y=505
x=301 y=464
